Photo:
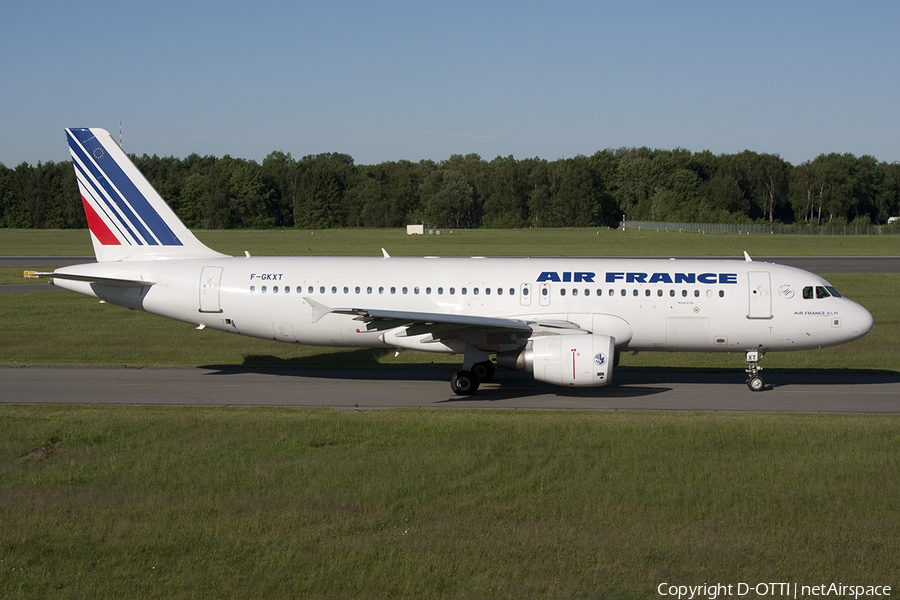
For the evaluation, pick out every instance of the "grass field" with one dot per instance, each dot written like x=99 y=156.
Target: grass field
x=115 y=502
x=104 y=502
x=478 y=242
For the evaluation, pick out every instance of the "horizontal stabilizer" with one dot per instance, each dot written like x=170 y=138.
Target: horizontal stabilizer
x=112 y=281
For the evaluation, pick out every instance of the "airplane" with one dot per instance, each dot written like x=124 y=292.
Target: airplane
x=563 y=320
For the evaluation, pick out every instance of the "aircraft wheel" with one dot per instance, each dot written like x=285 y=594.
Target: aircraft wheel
x=756 y=383
x=464 y=383
x=484 y=371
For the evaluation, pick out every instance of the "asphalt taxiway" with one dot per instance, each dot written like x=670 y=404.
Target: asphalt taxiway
x=426 y=386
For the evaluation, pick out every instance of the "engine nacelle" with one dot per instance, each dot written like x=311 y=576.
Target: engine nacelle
x=575 y=360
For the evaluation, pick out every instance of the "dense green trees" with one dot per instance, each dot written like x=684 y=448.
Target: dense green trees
x=329 y=190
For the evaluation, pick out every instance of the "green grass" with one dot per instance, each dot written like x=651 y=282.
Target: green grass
x=478 y=242
x=113 y=502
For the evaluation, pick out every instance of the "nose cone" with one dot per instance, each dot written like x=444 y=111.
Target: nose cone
x=861 y=321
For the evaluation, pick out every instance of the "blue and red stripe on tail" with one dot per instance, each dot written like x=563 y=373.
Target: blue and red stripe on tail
x=128 y=219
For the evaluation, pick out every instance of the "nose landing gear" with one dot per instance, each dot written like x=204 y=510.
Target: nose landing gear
x=755 y=382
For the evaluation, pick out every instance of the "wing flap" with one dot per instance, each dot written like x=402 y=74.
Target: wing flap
x=413 y=318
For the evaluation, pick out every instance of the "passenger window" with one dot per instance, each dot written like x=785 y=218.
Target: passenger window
x=404 y=289
x=346 y=290
x=721 y=293
x=252 y=288
x=499 y=291
x=574 y=292
x=684 y=293
x=611 y=292
x=635 y=292
x=440 y=291
x=475 y=291
x=562 y=291
x=512 y=291
x=487 y=291
x=381 y=290
x=309 y=290
x=659 y=293
x=263 y=289
x=416 y=291
x=464 y=291
x=369 y=290
x=334 y=289
x=428 y=291
x=623 y=292
x=287 y=289
x=393 y=290
x=275 y=290
x=452 y=291
x=647 y=293
x=672 y=293
x=357 y=289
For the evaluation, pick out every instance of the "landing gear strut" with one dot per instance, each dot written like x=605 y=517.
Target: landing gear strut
x=477 y=369
x=755 y=382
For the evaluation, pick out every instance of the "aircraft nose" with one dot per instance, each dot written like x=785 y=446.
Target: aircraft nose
x=862 y=321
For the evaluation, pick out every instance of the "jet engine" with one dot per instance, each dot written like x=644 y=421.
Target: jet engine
x=575 y=360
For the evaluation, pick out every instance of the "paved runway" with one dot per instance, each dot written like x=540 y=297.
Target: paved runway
x=427 y=387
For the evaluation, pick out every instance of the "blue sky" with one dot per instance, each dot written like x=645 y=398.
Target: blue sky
x=419 y=80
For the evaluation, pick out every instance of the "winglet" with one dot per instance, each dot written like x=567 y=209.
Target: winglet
x=386 y=255
x=747 y=257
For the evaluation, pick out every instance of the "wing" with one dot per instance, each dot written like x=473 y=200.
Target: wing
x=487 y=333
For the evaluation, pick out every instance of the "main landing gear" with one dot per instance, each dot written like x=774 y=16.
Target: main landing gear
x=755 y=382
x=466 y=381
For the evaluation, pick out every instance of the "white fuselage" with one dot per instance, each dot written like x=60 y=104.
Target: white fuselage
x=644 y=304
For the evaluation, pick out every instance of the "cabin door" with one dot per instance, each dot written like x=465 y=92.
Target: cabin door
x=210 y=280
x=760 y=295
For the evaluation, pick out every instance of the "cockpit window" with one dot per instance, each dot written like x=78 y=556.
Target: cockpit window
x=819 y=292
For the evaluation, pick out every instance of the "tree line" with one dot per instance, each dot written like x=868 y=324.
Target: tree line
x=329 y=190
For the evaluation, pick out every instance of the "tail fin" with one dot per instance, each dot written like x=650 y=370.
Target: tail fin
x=128 y=219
